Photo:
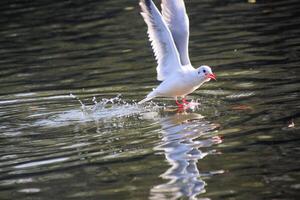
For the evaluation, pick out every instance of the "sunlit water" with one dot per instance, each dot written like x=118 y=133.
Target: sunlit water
x=71 y=73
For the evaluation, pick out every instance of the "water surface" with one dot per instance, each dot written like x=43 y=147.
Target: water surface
x=71 y=72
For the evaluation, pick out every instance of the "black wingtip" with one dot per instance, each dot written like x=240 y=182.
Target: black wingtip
x=147 y=3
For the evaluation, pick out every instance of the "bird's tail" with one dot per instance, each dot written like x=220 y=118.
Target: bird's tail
x=150 y=96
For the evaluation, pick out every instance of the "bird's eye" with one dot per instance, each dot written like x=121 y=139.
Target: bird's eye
x=204 y=71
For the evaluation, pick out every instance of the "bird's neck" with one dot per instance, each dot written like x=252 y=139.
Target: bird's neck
x=197 y=80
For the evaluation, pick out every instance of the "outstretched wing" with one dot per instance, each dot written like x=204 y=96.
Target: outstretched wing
x=161 y=39
x=174 y=14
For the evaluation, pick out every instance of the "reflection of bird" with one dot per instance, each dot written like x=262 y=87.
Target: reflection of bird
x=169 y=35
x=182 y=150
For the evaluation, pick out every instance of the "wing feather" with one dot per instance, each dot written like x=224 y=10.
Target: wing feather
x=161 y=39
x=174 y=14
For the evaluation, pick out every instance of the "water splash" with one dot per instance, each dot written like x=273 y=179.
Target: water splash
x=101 y=110
x=106 y=110
x=115 y=107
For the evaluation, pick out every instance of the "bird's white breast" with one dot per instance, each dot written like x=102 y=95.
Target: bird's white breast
x=178 y=84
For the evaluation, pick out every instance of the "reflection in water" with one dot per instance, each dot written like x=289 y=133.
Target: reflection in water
x=181 y=149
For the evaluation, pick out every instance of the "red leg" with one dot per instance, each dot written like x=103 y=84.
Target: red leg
x=185 y=101
x=179 y=104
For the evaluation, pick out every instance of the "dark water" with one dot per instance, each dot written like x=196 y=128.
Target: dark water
x=241 y=143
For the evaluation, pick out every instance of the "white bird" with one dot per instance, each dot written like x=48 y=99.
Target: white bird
x=169 y=35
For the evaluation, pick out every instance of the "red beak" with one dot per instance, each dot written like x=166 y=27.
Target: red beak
x=212 y=76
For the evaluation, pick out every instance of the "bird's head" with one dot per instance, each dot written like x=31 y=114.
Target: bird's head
x=205 y=73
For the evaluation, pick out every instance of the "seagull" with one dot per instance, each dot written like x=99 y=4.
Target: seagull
x=168 y=33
